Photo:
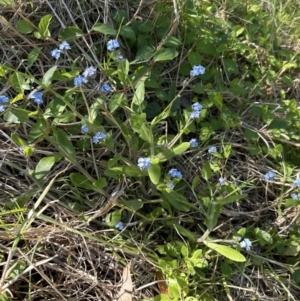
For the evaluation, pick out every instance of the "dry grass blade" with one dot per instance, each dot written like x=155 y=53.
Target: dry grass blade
x=125 y=293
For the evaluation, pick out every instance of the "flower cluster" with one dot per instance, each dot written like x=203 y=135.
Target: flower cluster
x=3 y=101
x=194 y=142
x=246 y=244
x=89 y=72
x=37 y=98
x=175 y=173
x=222 y=181
x=144 y=163
x=295 y=196
x=105 y=88
x=197 y=70
x=98 y=137
x=84 y=129
x=57 y=51
x=119 y=225
x=269 y=176
x=212 y=149
x=113 y=45
x=196 y=107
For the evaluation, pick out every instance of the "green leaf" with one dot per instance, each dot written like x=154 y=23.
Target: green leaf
x=135 y=205
x=172 y=41
x=37 y=130
x=263 y=236
x=45 y=165
x=177 y=200
x=33 y=55
x=105 y=29
x=144 y=54
x=17 y=115
x=165 y=54
x=177 y=150
x=183 y=231
x=24 y=26
x=47 y=79
x=80 y=180
x=100 y=183
x=43 y=28
x=230 y=198
x=227 y=150
x=228 y=252
x=154 y=173
x=136 y=121
x=130 y=171
x=64 y=143
x=206 y=171
x=16 y=139
x=153 y=109
x=128 y=33
x=17 y=81
x=115 y=101
x=70 y=34
x=139 y=94
x=296 y=276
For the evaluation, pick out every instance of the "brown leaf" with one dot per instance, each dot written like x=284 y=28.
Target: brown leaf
x=125 y=293
x=162 y=284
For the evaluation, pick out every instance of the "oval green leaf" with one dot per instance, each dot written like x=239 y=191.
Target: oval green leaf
x=228 y=252
x=165 y=54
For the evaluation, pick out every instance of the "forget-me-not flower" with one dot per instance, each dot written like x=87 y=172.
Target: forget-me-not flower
x=56 y=53
x=113 y=44
x=3 y=99
x=99 y=136
x=269 y=175
x=2 y=108
x=90 y=72
x=194 y=142
x=84 y=129
x=119 y=57
x=246 y=244
x=64 y=46
x=79 y=80
x=297 y=183
x=119 y=225
x=222 y=181
x=197 y=70
x=105 y=88
x=212 y=149
x=144 y=163
x=196 y=107
x=170 y=185
x=175 y=173
x=295 y=196
x=37 y=98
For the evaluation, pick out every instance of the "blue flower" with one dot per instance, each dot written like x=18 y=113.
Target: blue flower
x=99 y=136
x=119 y=225
x=37 y=98
x=246 y=244
x=269 y=175
x=197 y=70
x=144 y=163
x=3 y=99
x=79 y=80
x=212 y=149
x=295 y=196
x=197 y=106
x=175 y=173
x=112 y=44
x=195 y=114
x=105 y=88
x=64 y=46
x=170 y=185
x=90 y=72
x=222 y=181
x=297 y=183
x=194 y=142
x=84 y=129
x=2 y=108
x=56 y=53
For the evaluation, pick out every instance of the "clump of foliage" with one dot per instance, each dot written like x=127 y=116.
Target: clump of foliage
x=165 y=134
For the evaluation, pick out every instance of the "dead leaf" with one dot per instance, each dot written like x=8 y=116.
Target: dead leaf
x=162 y=284
x=125 y=293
